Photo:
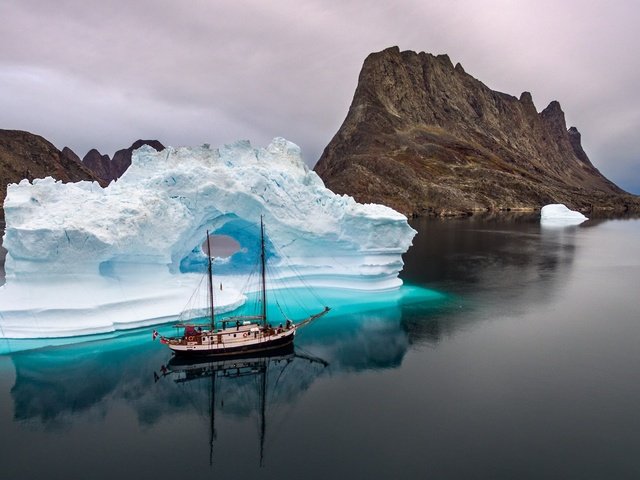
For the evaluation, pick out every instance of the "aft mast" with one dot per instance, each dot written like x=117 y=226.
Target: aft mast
x=212 y=320
x=263 y=264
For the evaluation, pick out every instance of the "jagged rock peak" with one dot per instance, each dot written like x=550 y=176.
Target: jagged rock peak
x=394 y=50
x=554 y=116
x=99 y=164
x=527 y=102
x=424 y=137
x=395 y=53
x=553 y=108
x=525 y=97
x=94 y=153
x=70 y=155
x=444 y=58
x=576 y=143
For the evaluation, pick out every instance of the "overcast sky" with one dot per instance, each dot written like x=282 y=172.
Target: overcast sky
x=102 y=74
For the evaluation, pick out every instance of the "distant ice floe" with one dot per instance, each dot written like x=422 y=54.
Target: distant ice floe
x=83 y=259
x=558 y=215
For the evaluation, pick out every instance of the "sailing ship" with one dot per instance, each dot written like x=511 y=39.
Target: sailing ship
x=236 y=335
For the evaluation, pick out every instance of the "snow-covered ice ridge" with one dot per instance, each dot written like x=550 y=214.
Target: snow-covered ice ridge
x=85 y=259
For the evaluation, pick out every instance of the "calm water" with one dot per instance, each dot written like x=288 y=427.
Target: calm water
x=513 y=353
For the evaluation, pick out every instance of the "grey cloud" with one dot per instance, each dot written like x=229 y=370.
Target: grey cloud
x=89 y=73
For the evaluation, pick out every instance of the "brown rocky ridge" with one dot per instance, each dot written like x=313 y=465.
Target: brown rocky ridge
x=99 y=164
x=426 y=138
x=25 y=155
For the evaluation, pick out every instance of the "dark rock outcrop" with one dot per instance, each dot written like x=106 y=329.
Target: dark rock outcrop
x=70 y=155
x=25 y=155
x=425 y=137
x=99 y=164
x=111 y=169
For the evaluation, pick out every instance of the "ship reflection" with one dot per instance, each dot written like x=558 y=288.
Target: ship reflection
x=254 y=378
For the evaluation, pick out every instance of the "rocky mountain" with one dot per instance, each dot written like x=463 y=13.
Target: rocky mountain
x=110 y=169
x=99 y=164
x=427 y=138
x=70 y=155
x=25 y=155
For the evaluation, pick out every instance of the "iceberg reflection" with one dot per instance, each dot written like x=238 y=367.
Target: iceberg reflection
x=56 y=387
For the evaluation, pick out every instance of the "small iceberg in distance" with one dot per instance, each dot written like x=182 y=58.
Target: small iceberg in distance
x=558 y=215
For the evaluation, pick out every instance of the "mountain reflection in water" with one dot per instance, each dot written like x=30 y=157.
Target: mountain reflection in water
x=511 y=258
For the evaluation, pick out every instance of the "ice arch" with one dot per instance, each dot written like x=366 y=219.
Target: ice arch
x=85 y=259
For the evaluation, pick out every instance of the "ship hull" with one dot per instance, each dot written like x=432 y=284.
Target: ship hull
x=180 y=361
x=236 y=349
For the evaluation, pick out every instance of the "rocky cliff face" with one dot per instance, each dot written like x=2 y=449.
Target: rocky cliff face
x=425 y=137
x=99 y=164
x=111 y=169
x=25 y=155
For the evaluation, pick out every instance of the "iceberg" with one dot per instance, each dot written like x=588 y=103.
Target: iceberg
x=557 y=214
x=83 y=259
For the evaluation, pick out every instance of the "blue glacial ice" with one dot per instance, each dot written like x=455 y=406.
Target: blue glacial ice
x=83 y=259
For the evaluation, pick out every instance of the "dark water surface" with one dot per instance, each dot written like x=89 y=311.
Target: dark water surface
x=522 y=360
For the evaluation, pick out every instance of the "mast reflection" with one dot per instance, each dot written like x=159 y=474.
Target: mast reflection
x=224 y=377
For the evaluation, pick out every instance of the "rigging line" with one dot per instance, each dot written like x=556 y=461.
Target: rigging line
x=285 y=410
x=275 y=385
x=275 y=390
x=286 y=317
x=251 y=279
x=285 y=285
x=276 y=294
x=294 y=295
x=192 y=393
x=294 y=299
x=307 y=355
x=299 y=275
x=196 y=293
x=255 y=384
x=249 y=284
